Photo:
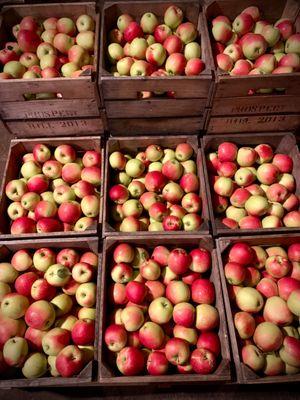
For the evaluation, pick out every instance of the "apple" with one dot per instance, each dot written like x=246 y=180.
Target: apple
x=293 y=302
x=151 y=335
x=173 y=44
x=14 y=305
x=249 y=299
x=138 y=49
x=203 y=291
x=191 y=50
x=277 y=266
x=83 y=332
x=207 y=317
x=23 y=225
x=244 y=324
x=234 y=273
x=268 y=337
x=157 y=363
x=132 y=318
x=35 y=366
x=15 y=189
x=15 y=351
x=171 y=223
x=69 y=361
x=40 y=315
x=175 y=64
x=160 y=310
x=57 y=275
x=222 y=31
x=130 y=361
x=292 y=44
x=203 y=361
x=253 y=357
x=161 y=32
x=55 y=340
x=28 y=40
x=253 y=45
x=177 y=292
x=38 y=183
x=282 y=315
x=266 y=63
x=173 y=16
x=257 y=206
x=241 y=253
x=267 y=287
x=132 y=31
x=224 y=186
x=24 y=282
x=194 y=67
x=121 y=273
x=136 y=292
x=290 y=350
x=271 y=35
x=177 y=351
x=179 y=261
x=86 y=294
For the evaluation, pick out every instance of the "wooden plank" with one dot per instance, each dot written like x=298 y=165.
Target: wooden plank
x=130 y=145
x=245 y=374
x=281 y=143
x=56 y=127
x=260 y=104
x=81 y=244
x=253 y=123
x=130 y=87
x=154 y=126
x=47 y=109
x=18 y=148
x=155 y=107
x=107 y=374
x=233 y=86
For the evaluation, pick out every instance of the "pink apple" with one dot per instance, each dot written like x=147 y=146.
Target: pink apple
x=132 y=31
x=130 y=361
x=161 y=33
x=243 y=24
x=203 y=361
x=157 y=363
x=69 y=361
x=203 y=291
x=224 y=62
x=175 y=64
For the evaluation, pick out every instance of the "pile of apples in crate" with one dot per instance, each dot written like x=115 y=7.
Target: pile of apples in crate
x=156 y=190
x=148 y=48
x=164 y=317
x=266 y=292
x=54 y=190
x=49 y=49
x=250 y=45
x=46 y=312
x=254 y=187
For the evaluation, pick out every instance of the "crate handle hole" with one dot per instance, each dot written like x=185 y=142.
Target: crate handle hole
x=144 y=95
x=42 y=96
x=258 y=92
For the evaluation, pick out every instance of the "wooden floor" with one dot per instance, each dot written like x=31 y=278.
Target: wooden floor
x=273 y=392
x=254 y=392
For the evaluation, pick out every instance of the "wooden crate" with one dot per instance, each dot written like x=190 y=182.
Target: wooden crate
x=121 y=94
x=130 y=145
x=150 y=126
x=232 y=109
x=109 y=375
x=57 y=127
x=244 y=373
x=84 y=244
x=76 y=98
x=18 y=147
x=285 y=143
